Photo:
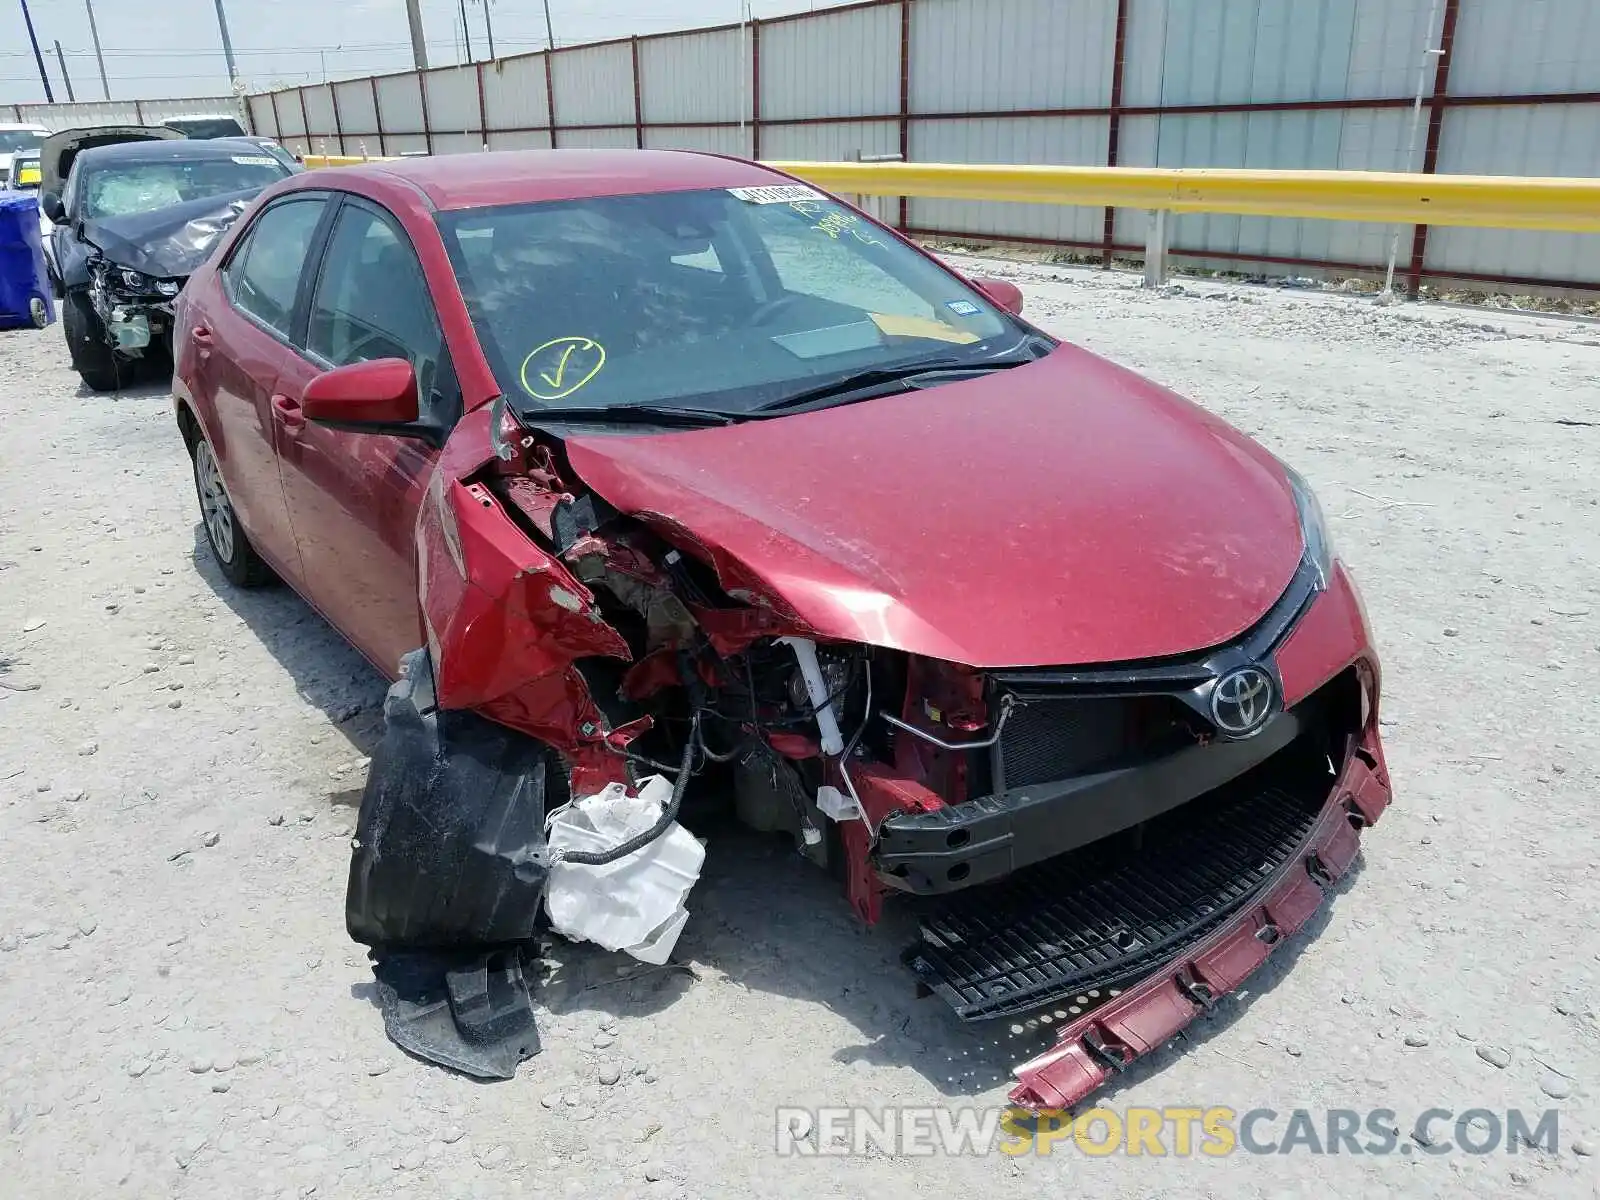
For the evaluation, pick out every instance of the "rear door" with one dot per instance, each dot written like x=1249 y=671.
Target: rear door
x=241 y=345
x=353 y=497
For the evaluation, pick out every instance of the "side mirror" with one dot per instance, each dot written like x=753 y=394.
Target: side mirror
x=1004 y=293
x=368 y=397
x=50 y=204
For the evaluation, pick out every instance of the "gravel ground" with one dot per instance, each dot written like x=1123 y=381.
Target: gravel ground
x=179 y=765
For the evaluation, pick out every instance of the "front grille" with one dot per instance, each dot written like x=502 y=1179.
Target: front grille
x=1046 y=740
x=1111 y=912
x=1052 y=738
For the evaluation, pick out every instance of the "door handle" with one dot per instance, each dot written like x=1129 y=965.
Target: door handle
x=288 y=412
x=201 y=335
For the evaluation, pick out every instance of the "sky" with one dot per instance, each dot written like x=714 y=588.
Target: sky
x=162 y=48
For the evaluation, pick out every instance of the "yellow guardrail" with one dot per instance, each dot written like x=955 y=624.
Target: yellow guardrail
x=1488 y=201
x=1485 y=201
x=313 y=161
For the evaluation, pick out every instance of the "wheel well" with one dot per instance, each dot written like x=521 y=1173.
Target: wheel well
x=188 y=426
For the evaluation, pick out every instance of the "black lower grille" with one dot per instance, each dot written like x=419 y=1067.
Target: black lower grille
x=1046 y=740
x=1097 y=917
x=1059 y=737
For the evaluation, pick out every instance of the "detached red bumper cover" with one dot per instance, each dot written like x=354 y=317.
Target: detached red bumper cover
x=1091 y=1048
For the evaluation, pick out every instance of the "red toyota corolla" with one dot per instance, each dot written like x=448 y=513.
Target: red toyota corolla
x=626 y=463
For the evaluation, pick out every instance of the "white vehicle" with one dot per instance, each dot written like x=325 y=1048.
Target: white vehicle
x=208 y=125
x=17 y=137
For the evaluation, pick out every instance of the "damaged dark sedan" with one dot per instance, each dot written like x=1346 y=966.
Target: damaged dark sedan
x=136 y=210
x=664 y=483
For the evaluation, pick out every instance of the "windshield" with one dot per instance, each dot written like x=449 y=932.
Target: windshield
x=725 y=299
x=206 y=127
x=122 y=189
x=12 y=140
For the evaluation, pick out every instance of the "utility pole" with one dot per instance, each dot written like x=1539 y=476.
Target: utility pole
x=466 y=30
x=99 y=58
x=419 y=45
x=549 y=33
x=44 y=76
x=227 y=47
x=65 y=78
x=488 y=25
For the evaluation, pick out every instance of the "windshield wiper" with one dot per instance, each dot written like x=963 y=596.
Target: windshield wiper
x=634 y=414
x=884 y=381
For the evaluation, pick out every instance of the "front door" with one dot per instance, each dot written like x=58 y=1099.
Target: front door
x=353 y=497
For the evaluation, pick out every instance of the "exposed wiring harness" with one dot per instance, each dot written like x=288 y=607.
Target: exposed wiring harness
x=669 y=812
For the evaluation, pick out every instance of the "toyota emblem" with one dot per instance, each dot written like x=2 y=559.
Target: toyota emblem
x=1242 y=701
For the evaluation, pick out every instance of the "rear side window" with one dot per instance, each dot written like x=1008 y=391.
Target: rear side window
x=263 y=275
x=372 y=300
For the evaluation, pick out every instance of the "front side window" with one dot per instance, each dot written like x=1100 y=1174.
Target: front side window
x=121 y=190
x=263 y=274
x=372 y=302
x=727 y=299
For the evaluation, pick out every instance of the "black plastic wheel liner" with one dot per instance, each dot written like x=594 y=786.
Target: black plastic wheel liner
x=449 y=852
x=471 y=1012
x=1108 y=914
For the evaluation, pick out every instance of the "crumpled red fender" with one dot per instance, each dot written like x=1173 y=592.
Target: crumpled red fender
x=505 y=620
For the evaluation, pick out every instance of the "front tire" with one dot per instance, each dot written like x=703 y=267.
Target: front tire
x=229 y=546
x=93 y=358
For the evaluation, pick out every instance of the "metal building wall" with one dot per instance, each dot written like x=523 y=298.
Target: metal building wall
x=516 y=103
x=56 y=117
x=1508 y=87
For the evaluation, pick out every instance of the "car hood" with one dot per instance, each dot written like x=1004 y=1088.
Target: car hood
x=1064 y=512
x=168 y=243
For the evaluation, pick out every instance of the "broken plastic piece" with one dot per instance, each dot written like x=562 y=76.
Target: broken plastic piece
x=836 y=806
x=635 y=904
x=471 y=1012
x=805 y=653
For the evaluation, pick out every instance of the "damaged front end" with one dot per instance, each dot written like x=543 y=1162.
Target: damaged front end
x=135 y=309
x=136 y=264
x=1110 y=846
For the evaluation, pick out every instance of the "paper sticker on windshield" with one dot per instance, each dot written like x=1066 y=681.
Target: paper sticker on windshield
x=255 y=160
x=963 y=308
x=561 y=366
x=785 y=193
x=896 y=325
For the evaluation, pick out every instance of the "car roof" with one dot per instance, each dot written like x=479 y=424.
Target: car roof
x=458 y=181
x=13 y=126
x=174 y=149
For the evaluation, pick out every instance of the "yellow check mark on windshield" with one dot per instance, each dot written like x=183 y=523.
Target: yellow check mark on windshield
x=565 y=375
x=561 y=368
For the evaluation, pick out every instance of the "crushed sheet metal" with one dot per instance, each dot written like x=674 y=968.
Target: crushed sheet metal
x=1090 y=1050
x=168 y=242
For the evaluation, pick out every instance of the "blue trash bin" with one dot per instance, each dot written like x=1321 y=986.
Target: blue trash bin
x=25 y=297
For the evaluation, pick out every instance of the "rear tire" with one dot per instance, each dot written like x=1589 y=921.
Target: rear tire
x=95 y=361
x=229 y=546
